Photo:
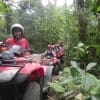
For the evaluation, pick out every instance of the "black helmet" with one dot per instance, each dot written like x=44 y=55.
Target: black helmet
x=17 y=28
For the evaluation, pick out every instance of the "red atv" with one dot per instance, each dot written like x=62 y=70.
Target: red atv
x=20 y=78
x=60 y=51
x=52 y=61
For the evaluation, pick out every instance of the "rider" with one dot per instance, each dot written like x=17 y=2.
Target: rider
x=3 y=47
x=17 y=31
x=50 y=52
x=27 y=53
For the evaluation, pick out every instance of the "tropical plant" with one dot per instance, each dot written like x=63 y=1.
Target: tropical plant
x=74 y=80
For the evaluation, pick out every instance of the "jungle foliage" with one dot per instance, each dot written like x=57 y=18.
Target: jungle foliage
x=81 y=80
x=78 y=26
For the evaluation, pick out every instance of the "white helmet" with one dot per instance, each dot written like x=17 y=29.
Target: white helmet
x=17 y=26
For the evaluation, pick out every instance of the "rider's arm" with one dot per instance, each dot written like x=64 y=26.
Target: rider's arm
x=54 y=53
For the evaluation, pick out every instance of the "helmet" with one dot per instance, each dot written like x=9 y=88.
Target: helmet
x=50 y=46
x=17 y=27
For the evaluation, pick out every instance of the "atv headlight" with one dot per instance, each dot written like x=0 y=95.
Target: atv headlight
x=8 y=75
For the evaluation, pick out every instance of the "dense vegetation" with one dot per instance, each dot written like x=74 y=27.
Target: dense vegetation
x=78 y=26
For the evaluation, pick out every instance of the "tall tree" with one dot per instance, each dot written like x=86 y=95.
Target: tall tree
x=97 y=12
x=82 y=20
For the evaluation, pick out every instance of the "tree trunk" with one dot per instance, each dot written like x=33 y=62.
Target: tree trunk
x=98 y=17
x=82 y=22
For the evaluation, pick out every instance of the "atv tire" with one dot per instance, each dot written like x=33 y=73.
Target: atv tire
x=56 y=69
x=33 y=92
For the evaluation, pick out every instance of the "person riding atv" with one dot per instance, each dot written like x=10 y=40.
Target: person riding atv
x=27 y=53
x=3 y=47
x=25 y=79
x=50 y=59
x=17 y=31
x=49 y=52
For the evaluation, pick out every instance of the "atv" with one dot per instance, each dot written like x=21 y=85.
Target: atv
x=21 y=78
x=52 y=61
x=60 y=52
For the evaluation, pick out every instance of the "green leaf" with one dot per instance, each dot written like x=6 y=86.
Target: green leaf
x=75 y=65
x=57 y=87
x=81 y=49
x=80 y=45
x=90 y=65
x=95 y=90
x=68 y=93
x=95 y=97
x=66 y=70
x=67 y=81
x=74 y=72
x=89 y=81
x=98 y=9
